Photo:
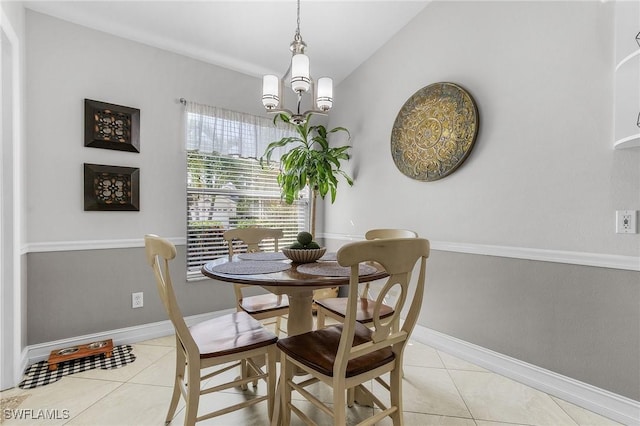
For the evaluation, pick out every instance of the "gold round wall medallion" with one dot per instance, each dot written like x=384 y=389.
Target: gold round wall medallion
x=434 y=131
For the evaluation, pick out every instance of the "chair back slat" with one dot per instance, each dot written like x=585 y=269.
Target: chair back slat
x=383 y=234
x=252 y=237
x=382 y=326
x=398 y=256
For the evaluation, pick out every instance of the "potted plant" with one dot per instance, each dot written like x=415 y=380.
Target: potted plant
x=311 y=162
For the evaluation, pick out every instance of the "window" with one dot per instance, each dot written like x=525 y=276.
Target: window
x=226 y=185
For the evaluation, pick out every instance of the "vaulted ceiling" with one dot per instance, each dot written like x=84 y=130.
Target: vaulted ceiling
x=251 y=37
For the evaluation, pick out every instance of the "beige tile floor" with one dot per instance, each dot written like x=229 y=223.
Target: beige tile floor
x=439 y=389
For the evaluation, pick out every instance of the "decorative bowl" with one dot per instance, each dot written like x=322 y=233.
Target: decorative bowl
x=304 y=255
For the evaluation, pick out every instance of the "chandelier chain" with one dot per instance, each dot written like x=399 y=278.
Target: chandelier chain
x=298 y=36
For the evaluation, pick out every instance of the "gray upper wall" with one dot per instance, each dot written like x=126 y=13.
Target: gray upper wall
x=543 y=173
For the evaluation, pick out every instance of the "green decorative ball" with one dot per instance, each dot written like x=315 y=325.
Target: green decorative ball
x=296 y=246
x=312 y=245
x=304 y=238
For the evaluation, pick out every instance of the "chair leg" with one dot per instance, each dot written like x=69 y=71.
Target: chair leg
x=351 y=397
x=320 y=319
x=179 y=376
x=395 y=383
x=339 y=403
x=244 y=373
x=271 y=379
x=252 y=372
x=286 y=374
x=277 y=325
x=276 y=417
x=193 y=394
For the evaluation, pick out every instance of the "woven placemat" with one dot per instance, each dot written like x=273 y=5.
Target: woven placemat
x=250 y=267
x=263 y=255
x=329 y=257
x=332 y=269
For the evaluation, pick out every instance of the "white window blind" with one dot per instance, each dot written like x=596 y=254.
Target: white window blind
x=231 y=189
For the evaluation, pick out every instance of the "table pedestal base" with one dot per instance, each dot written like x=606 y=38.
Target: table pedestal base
x=300 y=321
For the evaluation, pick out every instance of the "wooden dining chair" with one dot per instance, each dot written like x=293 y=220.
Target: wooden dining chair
x=345 y=356
x=267 y=306
x=232 y=338
x=336 y=307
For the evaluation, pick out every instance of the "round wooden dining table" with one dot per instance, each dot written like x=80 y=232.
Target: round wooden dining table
x=292 y=281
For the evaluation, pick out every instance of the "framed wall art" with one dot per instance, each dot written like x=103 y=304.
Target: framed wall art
x=111 y=126
x=434 y=132
x=111 y=188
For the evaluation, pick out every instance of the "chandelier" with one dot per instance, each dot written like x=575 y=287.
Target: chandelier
x=301 y=83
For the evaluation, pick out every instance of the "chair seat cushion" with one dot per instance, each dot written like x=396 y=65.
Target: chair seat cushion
x=229 y=334
x=317 y=350
x=264 y=303
x=338 y=305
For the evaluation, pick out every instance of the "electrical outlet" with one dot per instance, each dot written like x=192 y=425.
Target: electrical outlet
x=626 y=221
x=137 y=300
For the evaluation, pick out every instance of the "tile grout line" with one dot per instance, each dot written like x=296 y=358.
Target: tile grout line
x=565 y=411
x=501 y=421
x=459 y=393
x=465 y=402
x=456 y=386
x=120 y=384
x=486 y=420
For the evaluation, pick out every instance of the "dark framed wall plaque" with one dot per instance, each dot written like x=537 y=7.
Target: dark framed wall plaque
x=434 y=132
x=111 y=188
x=111 y=126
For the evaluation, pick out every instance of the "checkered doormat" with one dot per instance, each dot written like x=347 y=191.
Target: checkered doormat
x=40 y=375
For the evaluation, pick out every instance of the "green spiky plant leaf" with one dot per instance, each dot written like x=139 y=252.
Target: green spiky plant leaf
x=310 y=162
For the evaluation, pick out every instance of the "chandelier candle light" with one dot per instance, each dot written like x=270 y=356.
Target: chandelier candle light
x=301 y=83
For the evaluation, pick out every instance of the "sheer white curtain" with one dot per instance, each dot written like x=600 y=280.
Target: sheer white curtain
x=216 y=130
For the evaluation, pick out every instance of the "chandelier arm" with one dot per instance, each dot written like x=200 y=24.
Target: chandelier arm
x=281 y=111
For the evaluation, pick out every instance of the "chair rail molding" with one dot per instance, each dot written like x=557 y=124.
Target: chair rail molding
x=602 y=260
x=92 y=244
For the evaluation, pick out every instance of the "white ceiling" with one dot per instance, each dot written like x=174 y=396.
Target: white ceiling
x=252 y=37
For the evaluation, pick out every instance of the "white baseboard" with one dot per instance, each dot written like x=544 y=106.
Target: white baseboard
x=122 y=336
x=24 y=363
x=603 y=402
